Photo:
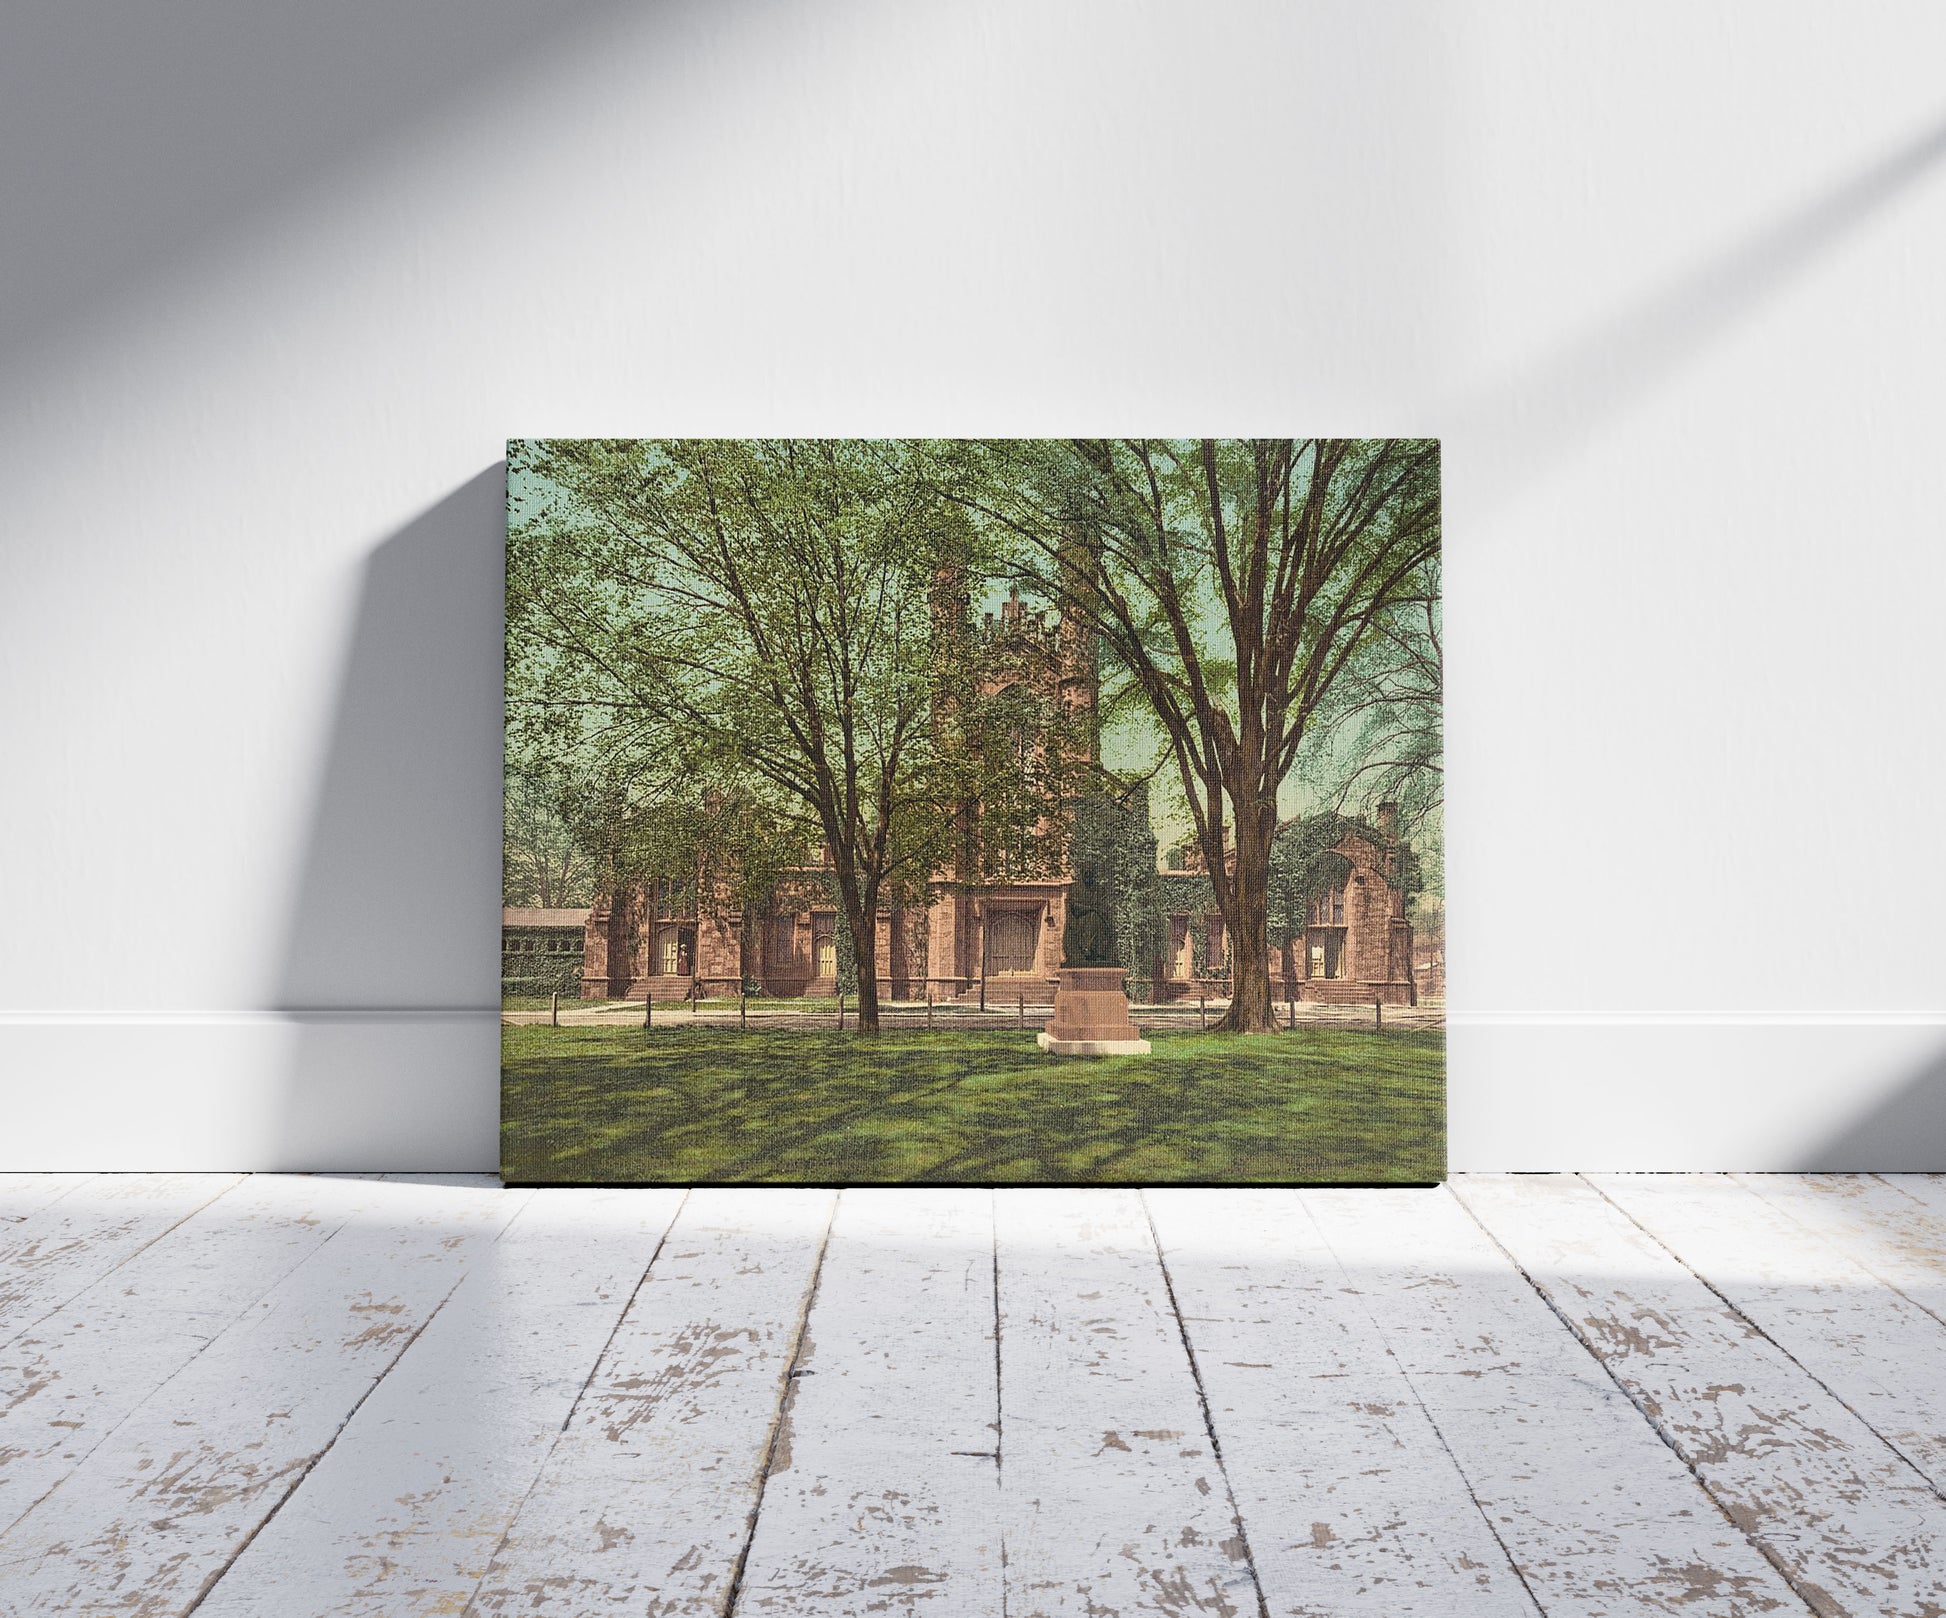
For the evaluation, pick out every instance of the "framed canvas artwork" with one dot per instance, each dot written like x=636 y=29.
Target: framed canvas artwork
x=973 y=811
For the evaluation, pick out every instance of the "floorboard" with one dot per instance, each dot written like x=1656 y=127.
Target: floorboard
x=1352 y=1503
x=22 y=1194
x=1532 y=1396
x=1894 y=1225
x=1114 y=1499
x=1870 y=1346
x=647 y=1502
x=161 y=1507
x=403 y=1515
x=71 y=1379
x=1852 y=1524
x=883 y=1493
x=66 y=1244
x=1586 y=1497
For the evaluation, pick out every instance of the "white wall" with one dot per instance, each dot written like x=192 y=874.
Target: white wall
x=279 y=281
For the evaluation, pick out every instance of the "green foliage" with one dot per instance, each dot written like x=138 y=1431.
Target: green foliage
x=1141 y=919
x=540 y=978
x=671 y=613
x=744 y=650
x=1114 y=835
x=542 y=861
x=1305 y=864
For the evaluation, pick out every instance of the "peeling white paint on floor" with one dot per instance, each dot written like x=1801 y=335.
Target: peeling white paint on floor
x=291 y=1395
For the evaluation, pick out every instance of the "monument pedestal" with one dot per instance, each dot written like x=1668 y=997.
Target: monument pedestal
x=1091 y=1015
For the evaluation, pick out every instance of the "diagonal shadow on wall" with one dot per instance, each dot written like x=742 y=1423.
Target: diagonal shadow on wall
x=132 y=143
x=1905 y=1134
x=389 y=969
x=1548 y=410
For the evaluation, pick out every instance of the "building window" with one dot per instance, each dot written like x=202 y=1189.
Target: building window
x=783 y=940
x=1213 y=940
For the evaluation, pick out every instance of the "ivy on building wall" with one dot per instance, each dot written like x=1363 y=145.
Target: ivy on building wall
x=1118 y=836
x=1305 y=865
x=539 y=977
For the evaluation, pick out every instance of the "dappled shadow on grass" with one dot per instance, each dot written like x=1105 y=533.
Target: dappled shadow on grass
x=624 y=1105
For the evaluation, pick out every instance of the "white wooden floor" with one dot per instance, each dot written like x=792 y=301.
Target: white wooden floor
x=1566 y=1395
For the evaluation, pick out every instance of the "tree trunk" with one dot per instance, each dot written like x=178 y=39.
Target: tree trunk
x=862 y=919
x=1246 y=920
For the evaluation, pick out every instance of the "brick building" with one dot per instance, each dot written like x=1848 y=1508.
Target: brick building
x=991 y=922
x=1356 y=946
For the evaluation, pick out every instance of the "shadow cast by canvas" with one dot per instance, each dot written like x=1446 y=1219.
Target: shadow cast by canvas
x=389 y=967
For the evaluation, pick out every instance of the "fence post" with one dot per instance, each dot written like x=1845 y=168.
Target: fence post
x=1020 y=1008
x=1202 y=1012
x=554 y=1009
x=743 y=1009
x=1292 y=1005
x=929 y=1011
x=1378 y=1013
x=648 y=1009
x=841 y=1011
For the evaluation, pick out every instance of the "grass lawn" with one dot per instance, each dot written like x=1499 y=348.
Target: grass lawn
x=680 y=1106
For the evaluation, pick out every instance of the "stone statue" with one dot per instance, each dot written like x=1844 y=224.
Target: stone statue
x=1091 y=1015
x=1089 y=937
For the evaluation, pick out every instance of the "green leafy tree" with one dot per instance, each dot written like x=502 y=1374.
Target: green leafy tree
x=1232 y=583
x=1379 y=736
x=542 y=861
x=760 y=618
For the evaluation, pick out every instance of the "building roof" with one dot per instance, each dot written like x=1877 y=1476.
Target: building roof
x=526 y=916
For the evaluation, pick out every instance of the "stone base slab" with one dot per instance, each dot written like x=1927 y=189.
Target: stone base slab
x=1090 y=1016
x=1091 y=1047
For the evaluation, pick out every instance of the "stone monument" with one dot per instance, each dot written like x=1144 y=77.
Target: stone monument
x=1091 y=1002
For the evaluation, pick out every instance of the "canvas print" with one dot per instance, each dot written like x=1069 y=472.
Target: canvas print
x=987 y=812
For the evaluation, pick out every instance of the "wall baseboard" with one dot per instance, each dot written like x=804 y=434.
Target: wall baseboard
x=251 y=1090
x=1787 y=1095
x=401 y=1090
